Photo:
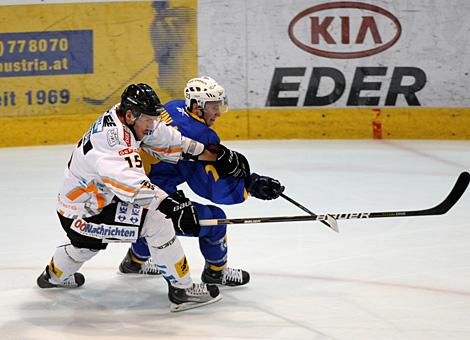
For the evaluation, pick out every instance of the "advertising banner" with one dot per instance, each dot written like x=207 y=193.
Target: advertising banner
x=291 y=68
x=62 y=63
x=316 y=69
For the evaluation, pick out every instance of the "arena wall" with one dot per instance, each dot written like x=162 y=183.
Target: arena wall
x=292 y=69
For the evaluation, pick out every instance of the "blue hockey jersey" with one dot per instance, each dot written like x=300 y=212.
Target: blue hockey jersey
x=202 y=177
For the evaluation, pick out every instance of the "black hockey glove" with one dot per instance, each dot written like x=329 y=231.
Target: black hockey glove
x=182 y=213
x=264 y=187
x=230 y=163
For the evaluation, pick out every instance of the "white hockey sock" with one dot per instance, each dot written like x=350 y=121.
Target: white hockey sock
x=166 y=249
x=67 y=260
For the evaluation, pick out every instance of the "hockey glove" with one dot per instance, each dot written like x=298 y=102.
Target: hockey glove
x=230 y=163
x=182 y=213
x=264 y=187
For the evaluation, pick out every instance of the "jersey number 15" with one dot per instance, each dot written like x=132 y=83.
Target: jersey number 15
x=134 y=161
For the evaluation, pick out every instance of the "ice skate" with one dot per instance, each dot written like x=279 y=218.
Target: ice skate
x=198 y=295
x=226 y=277
x=129 y=266
x=73 y=281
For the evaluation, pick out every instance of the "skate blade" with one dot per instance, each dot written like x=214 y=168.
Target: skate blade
x=191 y=305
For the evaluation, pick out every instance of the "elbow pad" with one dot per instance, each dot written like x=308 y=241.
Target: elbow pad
x=191 y=148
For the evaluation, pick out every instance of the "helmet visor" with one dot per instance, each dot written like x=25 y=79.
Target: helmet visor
x=219 y=105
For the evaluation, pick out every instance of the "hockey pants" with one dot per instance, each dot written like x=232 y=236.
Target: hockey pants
x=212 y=240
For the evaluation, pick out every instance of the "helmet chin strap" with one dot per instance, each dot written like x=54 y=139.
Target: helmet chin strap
x=203 y=113
x=131 y=126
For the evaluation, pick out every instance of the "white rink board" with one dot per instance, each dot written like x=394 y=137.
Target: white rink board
x=242 y=42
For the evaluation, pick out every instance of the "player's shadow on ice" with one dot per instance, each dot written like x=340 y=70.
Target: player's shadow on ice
x=124 y=307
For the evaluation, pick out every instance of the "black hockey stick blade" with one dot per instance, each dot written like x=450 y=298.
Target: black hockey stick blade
x=440 y=209
x=443 y=207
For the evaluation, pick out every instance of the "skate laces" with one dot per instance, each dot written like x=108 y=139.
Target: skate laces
x=198 y=289
x=68 y=282
x=232 y=275
x=149 y=267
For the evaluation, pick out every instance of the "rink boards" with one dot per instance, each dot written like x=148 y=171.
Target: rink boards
x=292 y=69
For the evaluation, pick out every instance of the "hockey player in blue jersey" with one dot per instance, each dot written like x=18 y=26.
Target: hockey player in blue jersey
x=193 y=117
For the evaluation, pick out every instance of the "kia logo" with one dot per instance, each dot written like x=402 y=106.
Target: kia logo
x=344 y=30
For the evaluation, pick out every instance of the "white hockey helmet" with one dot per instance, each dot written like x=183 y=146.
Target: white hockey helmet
x=203 y=90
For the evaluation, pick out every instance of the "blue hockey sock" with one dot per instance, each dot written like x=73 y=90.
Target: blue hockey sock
x=140 y=250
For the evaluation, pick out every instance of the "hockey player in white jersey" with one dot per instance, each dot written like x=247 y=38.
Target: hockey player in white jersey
x=106 y=197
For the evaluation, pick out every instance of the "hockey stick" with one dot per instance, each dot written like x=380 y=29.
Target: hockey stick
x=331 y=223
x=101 y=101
x=440 y=209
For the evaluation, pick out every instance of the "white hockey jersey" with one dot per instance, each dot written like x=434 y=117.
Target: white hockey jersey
x=106 y=163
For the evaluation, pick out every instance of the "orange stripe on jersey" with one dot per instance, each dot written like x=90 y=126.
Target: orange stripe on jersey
x=175 y=150
x=99 y=198
x=91 y=188
x=74 y=194
x=118 y=186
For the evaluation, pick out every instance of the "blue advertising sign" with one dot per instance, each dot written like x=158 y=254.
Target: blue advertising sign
x=46 y=53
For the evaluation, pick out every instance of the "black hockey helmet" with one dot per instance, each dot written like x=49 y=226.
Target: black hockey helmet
x=141 y=99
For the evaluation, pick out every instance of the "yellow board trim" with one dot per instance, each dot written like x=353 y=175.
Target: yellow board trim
x=397 y=123
x=44 y=130
x=344 y=123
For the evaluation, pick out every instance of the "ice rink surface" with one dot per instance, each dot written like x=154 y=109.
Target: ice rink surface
x=391 y=278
